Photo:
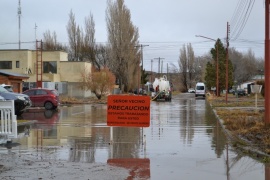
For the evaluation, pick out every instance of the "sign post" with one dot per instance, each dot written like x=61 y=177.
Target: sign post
x=256 y=89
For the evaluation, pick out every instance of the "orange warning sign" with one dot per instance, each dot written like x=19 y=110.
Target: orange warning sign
x=132 y=111
x=139 y=168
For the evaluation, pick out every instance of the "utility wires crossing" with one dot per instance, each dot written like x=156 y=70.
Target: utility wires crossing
x=240 y=17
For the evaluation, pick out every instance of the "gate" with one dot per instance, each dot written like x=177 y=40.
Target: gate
x=8 y=126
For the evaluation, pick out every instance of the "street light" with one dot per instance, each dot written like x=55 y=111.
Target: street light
x=217 y=82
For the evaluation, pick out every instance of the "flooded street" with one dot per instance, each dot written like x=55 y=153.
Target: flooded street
x=184 y=141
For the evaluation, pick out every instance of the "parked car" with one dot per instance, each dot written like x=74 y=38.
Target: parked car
x=191 y=90
x=43 y=97
x=7 y=87
x=141 y=91
x=231 y=91
x=21 y=101
x=240 y=92
x=2 y=98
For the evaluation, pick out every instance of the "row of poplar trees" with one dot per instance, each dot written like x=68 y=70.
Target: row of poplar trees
x=121 y=54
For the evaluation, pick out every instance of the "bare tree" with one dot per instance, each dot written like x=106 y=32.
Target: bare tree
x=82 y=41
x=102 y=55
x=50 y=41
x=88 y=44
x=183 y=67
x=200 y=66
x=72 y=31
x=123 y=43
x=186 y=66
x=245 y=66
x=190 y=65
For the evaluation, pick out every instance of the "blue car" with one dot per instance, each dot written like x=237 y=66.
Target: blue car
x=21 y=101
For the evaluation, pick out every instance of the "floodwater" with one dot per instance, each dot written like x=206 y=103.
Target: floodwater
x=184 y=141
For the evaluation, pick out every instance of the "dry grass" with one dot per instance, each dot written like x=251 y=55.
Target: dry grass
x=73 y=100
x=242 y=120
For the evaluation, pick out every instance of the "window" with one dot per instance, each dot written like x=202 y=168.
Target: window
x=200 y=88
x=17 y=64
x=41 y=92
x=50 y=67
x=30 y=92
x=5 y=64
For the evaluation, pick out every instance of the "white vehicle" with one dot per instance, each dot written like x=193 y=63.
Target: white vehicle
x=200 y=89
x=162 y=89
x=191 y=90
x=7 y=87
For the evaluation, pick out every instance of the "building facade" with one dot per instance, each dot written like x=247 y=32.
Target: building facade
x=57 y=71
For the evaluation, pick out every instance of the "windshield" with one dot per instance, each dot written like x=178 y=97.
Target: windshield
x=9 y=88
x=2 y=89
x=200 y=87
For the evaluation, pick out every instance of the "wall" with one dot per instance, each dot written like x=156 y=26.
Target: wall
x=67 y=71
x=71 y=71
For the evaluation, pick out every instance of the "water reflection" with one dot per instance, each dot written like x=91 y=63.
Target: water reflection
x=41 y=116
x=183 y=140
x=139 y=168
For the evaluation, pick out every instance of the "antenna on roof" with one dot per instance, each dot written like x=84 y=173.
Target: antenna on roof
x=35 y=32
x=19 y=18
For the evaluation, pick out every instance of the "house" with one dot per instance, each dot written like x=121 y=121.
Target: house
x=57 y=71
x=246 y=85
x=13 y=79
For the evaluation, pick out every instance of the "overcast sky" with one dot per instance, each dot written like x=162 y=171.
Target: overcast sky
x=164 y=25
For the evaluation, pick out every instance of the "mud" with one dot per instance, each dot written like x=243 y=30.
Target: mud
x=19 y=166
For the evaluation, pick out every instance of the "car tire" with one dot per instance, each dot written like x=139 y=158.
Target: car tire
x=48 y=105
x=19 y=113
x=48 y=114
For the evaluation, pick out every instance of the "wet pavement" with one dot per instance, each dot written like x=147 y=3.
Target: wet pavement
x=184 y=141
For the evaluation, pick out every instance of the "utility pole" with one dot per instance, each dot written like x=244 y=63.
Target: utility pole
x=39 y=63
x=151 y=70
x=159 y=64
x=167 y=70
x=267 y=66
x=19 y=18
x=162 y=67
x=140 y=69
x=142 y=46
x=35 y=31
x=227 y=60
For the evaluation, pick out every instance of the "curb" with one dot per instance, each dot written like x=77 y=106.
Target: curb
x=245 y=146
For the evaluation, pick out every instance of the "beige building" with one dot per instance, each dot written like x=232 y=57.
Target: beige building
x=57 y=71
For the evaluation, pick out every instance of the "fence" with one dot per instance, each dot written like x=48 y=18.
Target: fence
x=8 y=119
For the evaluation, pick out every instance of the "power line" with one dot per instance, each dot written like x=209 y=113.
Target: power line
x=240 y=17
x=142 y=46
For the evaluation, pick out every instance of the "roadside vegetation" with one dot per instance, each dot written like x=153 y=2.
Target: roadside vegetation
x=67 y=100
x=243 y=121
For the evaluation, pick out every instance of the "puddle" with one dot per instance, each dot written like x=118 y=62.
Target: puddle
x=184 y=141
